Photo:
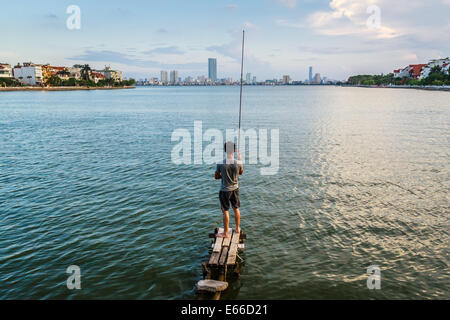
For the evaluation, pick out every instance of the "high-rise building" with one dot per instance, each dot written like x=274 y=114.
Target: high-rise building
x=286 y=79
x=164 y=77
x=212 y=69
x=310 y=75
x=248 y=78
x=316 y=79
x=173 y=77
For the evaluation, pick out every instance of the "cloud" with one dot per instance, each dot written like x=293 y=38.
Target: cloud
x=249 y=26
x=107 y=56
x=164 y=50
x=231 y=6
x=233 y=50
x=230 y=50
x=411 y=31
x=162 y=30
x=288 y=23
x=350 y=18
x=51 y=16
x=334 y=50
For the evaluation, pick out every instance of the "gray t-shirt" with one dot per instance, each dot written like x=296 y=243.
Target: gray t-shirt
x=230 y=174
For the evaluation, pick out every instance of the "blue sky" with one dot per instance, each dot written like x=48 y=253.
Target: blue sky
x=283 y=36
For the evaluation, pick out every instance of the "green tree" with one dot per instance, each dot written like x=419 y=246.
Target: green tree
x=86 y=72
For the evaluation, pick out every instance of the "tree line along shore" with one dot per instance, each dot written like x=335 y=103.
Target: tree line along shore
x=31 y=76
x=437 y=76
x=64 y=88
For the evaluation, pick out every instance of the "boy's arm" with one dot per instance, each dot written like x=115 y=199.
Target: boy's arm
x=241 y=164
x=217 y=174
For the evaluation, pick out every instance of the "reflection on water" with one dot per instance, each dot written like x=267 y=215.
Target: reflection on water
x=86 y=179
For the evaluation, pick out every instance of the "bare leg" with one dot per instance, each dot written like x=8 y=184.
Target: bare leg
x=226 y=222
x=237 y=218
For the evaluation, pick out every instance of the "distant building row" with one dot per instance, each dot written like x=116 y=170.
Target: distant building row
x=36 y=74
x=421 y=71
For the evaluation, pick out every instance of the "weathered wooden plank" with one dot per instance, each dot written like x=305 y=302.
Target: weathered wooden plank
x=223 y=256
x=214 y=259
x=218 y=245
x=226 y=241
x=232 y=251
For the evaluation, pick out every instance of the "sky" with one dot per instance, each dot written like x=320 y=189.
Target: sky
x=283 y=37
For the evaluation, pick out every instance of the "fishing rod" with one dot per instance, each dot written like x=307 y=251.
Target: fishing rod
x=240 y=98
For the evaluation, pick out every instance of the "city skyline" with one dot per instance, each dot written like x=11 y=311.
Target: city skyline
x=283 y=36
x=213 y=77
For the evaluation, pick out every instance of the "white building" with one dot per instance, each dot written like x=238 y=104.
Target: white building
x=29 y=74
x=443 y=63
x=164 y=77
x=108 y=73
x=404 y=73
x=438 y=62
x=75 y=72
x=5 y=71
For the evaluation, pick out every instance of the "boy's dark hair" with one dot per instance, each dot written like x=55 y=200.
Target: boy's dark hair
x=228 y=146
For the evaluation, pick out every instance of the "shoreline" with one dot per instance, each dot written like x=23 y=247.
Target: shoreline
x=6 y=89
x=12 y=89
x=429 y=88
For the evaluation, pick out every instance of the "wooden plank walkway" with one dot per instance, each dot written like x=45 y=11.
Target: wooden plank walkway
x=223 y=257
x=225 y=250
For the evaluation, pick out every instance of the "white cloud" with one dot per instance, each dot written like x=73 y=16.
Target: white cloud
x=397 y=18
x=410 y=31
x=249 y=26
x=349 y=17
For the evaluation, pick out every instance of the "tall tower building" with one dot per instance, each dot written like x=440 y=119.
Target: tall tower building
x=212 y=69
x=310 y=74
x=173 y=77
x=164 y=77
x=248 y=78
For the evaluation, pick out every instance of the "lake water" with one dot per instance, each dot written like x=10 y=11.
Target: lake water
x=86 y=179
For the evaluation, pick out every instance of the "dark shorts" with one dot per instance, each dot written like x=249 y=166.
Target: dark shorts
x=227 y=197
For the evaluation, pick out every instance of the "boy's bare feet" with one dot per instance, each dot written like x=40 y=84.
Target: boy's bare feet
x=237 y=230
x=222 y=235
